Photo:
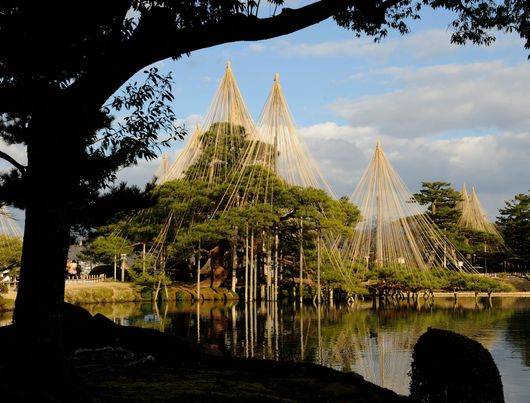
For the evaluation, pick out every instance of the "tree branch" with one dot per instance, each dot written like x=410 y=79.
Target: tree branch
x=166 y=40
x=10 y=159
x=241 y=27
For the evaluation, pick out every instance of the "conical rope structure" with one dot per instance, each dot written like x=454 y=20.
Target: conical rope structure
x=8 y=225
x=213 y=157
x=473 y=216
x=10 y=236
x=277 y=151
x=276 y=166
x=184 y=159
x=214 y=153
x=291 y=160
x=162 y=171
x=394 y=231
x=464 y=199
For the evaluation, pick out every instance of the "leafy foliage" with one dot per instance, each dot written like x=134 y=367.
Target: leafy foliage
x=444 y=280
x=514 y=221
x=442 y=200
x=10 y=253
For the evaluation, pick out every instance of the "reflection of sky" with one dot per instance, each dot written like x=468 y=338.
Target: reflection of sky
x=514 y=374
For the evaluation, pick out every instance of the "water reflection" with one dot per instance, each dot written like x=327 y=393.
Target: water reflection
x=376 y=343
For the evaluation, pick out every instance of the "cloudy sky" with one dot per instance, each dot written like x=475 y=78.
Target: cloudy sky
x=442 y=112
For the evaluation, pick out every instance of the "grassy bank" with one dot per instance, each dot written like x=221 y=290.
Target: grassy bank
x=110 y=291
x=115 y=292
x=7 y=303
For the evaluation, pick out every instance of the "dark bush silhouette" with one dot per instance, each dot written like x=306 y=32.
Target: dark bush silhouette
x=450 y=368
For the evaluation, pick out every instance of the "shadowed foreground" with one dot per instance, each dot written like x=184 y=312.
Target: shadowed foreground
x=112 y=363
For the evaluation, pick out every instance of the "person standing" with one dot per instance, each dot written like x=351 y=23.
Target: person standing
x=72 y=271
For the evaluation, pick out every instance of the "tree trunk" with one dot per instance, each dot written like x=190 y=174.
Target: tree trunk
x=38 y=313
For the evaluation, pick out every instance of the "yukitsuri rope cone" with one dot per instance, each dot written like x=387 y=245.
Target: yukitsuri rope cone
x=183 y=161
x=226 y=128
x=214 y=155
x=10 y=234
x=473 y=216
x=279 y=150
x=394 y=232
x=292 y=160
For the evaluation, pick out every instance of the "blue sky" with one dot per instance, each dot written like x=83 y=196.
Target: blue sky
x=441 y=111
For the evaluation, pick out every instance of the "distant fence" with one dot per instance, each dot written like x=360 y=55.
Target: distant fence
x=511 y=274
x=12 y=285
x=95 y=278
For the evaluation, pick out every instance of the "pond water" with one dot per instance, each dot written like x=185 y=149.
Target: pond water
x=377 y=344
x=374 y=343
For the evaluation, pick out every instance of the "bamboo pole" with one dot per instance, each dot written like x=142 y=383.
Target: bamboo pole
x=234 y=261
x=268 y=268
x=301 y=260
x=319 y=290
x=255 y=263
x=246 y=264
x=143 y=257
x=276 y=243
x=199 y=273
x=252 y=292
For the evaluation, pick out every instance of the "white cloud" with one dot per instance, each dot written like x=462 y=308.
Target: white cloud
x=417 y=46
x=189 y=122
x=257 y=47
x=421 y=46
x=18 y=152
x=495 y=164
x=139 y=174
x=443 y=98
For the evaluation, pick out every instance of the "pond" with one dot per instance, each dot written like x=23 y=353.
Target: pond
x=376 y=344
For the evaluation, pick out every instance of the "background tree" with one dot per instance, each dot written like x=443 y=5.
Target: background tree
x=59 y=67
x=514 y=221
x=442 y=200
